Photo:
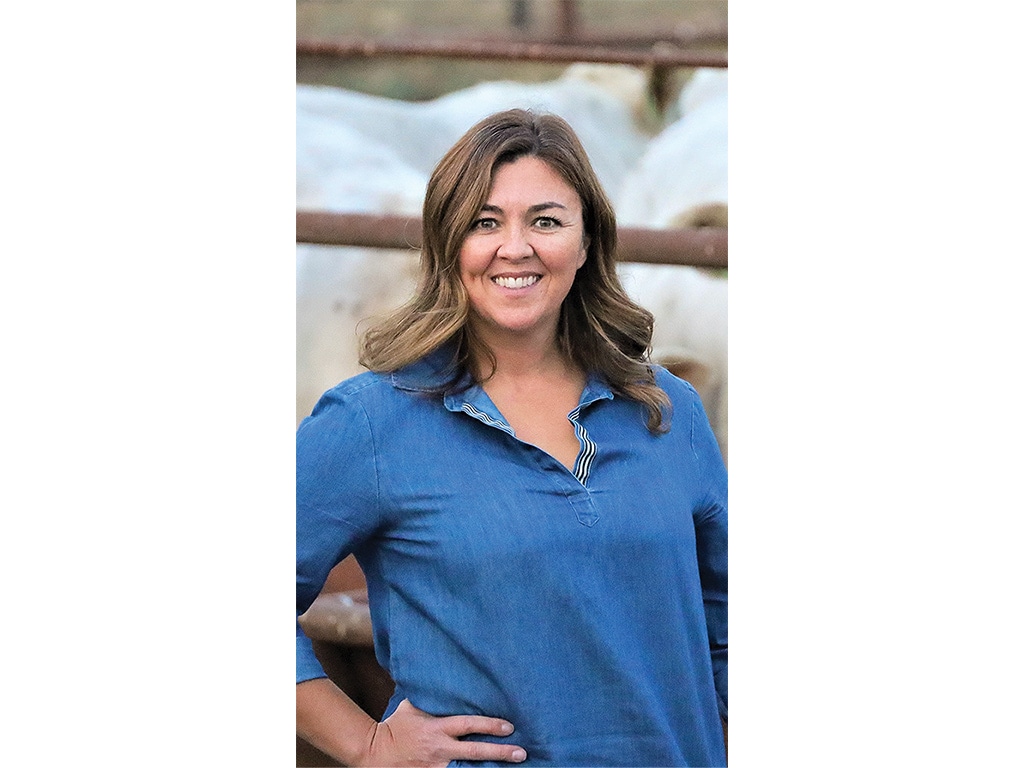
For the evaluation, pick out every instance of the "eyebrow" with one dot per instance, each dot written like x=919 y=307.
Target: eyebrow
x=531 y=209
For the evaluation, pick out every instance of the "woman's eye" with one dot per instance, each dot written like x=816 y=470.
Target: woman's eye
x=548 y=222
x=484 y=223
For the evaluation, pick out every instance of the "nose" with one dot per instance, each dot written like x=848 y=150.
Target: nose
x=515 y=244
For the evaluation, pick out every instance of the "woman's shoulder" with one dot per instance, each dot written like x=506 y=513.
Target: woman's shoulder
x=356 y=385
x=382 y=393
x=361 y=392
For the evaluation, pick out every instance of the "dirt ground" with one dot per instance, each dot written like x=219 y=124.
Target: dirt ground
x=426 y=78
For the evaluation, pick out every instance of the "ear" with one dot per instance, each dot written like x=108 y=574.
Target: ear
x=583 y=252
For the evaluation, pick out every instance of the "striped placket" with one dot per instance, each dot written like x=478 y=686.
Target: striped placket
x=588 y=448
x=487 y=419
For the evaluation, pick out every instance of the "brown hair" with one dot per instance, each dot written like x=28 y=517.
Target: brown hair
x=600 y=329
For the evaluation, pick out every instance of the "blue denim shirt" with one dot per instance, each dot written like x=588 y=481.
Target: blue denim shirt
x=587 y=607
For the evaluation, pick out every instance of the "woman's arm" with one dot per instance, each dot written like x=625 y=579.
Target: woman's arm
x=711 y=526
x=330 y=721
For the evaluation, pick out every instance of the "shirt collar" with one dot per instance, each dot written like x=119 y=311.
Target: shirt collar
x=432 y=372
x=596 y=389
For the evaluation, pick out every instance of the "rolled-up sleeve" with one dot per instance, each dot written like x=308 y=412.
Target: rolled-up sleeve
x=336 y=503
x=711 y=521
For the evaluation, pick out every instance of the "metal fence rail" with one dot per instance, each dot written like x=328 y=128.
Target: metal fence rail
x=697 y=247
x=656 y=55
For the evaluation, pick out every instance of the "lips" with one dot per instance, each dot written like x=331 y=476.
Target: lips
x=524 y=281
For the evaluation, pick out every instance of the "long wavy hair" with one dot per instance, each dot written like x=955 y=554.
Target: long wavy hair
x=600 y=328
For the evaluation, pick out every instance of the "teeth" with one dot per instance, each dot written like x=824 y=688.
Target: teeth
x=516 y=282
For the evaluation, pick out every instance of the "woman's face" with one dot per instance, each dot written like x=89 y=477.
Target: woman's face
x=520 y=257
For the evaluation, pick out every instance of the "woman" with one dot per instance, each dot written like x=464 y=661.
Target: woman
x=539 y=512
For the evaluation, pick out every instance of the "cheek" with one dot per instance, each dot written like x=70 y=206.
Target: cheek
x=470 y=263
x=464 y=269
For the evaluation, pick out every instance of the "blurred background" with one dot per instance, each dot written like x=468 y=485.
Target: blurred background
x=693 y=24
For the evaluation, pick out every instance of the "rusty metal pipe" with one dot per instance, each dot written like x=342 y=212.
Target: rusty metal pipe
x=691 y=246
x=697 y=247
x=658 y=55
x=362 y=229
x=683 y=36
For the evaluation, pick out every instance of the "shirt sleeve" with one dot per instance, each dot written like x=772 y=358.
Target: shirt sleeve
x=336 y=503
x=711 y=522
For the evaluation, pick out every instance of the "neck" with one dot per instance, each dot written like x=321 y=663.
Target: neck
x=521 y=357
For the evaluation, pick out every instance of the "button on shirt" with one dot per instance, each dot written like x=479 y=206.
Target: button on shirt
x=585 y=606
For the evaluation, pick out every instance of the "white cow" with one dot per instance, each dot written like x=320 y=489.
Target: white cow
x=604 y=104
x=337 y=288
x=682 y=181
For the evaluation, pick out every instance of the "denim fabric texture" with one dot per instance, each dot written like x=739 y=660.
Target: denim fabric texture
x=587 y=606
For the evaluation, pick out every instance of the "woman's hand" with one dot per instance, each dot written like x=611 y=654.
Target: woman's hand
x=411 y=737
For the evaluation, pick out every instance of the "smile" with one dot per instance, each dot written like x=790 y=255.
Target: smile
x=515 y=282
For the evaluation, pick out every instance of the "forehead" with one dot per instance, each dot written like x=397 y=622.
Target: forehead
x=529 y=177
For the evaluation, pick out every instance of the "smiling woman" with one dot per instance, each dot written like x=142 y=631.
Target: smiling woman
x=540 y=512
